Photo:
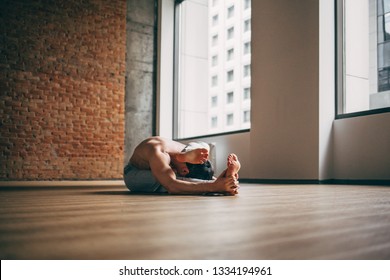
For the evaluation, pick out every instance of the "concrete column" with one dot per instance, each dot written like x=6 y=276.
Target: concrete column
x=140 y=73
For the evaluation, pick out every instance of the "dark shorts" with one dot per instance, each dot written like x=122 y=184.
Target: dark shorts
x=142 y=181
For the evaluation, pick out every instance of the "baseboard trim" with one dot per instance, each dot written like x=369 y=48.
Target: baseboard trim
x=278 y=181
x=316 y=182
x=357 y=182
x=81 y=183
x=62 y=183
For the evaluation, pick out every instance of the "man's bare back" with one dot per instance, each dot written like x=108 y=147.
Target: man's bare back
x=146 y=148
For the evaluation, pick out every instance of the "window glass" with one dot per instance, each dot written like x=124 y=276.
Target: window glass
x=230 y=54
x=230 y=12
x=230 y=119
x=214 y=81
x=230 y=76
x=246 y=116
x=384 y=79
x=214 y=60
x=247 y=4
x=247 y=25
x=384 y=55
x=230 y=33
x=246 y=93
x=387 y=27
x=214 y=122
x=214 y=101
x=215 y=20
x=214 y=40
x=365 y=53
x=247 y=70
x=386 y=5
x=212 y=52
x=230 y=97
x=247 y=48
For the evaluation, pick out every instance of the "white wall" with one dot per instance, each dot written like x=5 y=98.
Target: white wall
x=285 y=83
x=362 y=147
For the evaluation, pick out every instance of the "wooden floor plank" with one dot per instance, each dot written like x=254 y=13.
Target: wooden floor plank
x=262 y=222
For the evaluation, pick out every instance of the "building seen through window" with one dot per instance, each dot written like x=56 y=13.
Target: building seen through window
x=365 y=75
x=384 y=45
x=213 y=67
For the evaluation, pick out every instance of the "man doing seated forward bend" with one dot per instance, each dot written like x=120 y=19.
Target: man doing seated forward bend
x=161 y=165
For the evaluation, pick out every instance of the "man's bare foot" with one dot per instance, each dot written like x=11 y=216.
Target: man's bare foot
x=233 y=166
x=196 y=156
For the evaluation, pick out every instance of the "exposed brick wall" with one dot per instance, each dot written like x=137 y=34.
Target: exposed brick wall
x=62 y=81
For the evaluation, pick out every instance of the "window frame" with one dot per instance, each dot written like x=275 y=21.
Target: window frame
x=230 y=54
x=340 y=66
x=230 y=32
x=230 y=11
x=246 y=113
x=214 y=101
x=230 y=97
x=230 y=117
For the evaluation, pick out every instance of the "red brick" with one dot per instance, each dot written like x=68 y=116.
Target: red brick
x=59 y=90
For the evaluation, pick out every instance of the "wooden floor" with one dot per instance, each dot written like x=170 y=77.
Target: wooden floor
x=262 y=222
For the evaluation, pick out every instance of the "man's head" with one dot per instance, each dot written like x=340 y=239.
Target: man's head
x=204 y=171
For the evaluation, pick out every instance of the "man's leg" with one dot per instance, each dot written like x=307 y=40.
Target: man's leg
x=233 y=166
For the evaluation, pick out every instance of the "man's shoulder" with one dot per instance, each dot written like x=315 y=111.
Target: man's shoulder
x=155 y=141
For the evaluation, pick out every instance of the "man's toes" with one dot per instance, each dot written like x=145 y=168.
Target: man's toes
x=233 y=157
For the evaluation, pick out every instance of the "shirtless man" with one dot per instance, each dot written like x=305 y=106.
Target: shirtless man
x=154 y=162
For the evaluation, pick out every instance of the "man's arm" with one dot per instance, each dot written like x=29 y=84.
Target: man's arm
x=159 y=164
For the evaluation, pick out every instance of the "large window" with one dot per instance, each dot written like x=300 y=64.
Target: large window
x=212 y=77
x=364 y=56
